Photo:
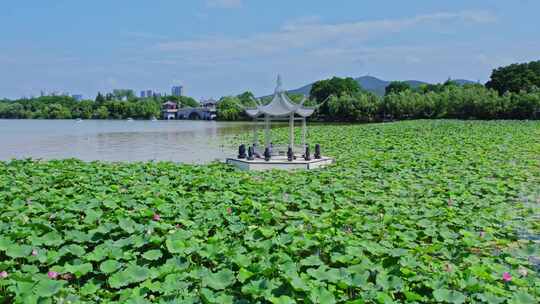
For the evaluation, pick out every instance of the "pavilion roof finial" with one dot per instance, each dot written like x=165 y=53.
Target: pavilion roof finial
x=281 y=105
x=279 y=88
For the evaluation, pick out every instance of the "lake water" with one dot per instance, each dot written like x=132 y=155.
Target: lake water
x=118 y=140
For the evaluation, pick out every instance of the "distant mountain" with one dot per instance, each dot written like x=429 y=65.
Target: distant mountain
x=464 y=81
x=374 y=85
x=303 y=90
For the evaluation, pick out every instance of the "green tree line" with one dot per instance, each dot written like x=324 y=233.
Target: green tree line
x=512 y=93
x=448 y=100
x=118 y=105
x=454 y=101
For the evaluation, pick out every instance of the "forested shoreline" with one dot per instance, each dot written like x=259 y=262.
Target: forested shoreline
x=109 y=106
x=512 y=93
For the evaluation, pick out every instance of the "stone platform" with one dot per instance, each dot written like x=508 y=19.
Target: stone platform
x=280 y=163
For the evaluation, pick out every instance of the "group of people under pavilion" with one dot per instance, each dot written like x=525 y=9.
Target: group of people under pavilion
x=281 y=108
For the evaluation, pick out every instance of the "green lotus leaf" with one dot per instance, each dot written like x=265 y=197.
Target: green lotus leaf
x=216 y=297
x=244 y=275
x=127 y=225
x=322 y=295
x=491 y=298
x=523 y=298
x=132 y=274
x=46 y=288
x=219 y=280
x=137 y=300
x=449 y=296
x=298 y=283
x=5 y=243
x=79 y=270
x=18 y=251
x=260 y=288
x=413 y=296
x=242 y=260
x=29 y=269
x=282 y=300
x=152 y=255
x=324 y=273
x=312 y=260
x=109 y=266
x=89 y=288
x=98 y=254
x=52 y=239
x=76 y=250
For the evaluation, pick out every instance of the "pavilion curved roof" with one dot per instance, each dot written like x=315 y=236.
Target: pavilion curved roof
x=281 y=105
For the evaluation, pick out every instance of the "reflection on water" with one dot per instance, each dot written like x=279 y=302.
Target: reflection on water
x=182 y=141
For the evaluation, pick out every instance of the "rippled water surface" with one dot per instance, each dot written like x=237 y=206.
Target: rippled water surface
x=109 y=140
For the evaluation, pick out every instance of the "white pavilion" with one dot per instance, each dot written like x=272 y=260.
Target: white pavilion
x=281 y=108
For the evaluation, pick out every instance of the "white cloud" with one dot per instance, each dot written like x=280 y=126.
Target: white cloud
x=308 y=49
x=224 y=3
x=309 y=34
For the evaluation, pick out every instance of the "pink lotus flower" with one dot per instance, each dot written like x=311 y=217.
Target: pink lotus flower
x=34 y=252
x=507 y=277
x=52 y=274
x=3 y=274
x=157 y=217
x=229 y=210
x=482 y=234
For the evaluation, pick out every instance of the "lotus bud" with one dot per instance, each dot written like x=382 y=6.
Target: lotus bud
x=52 y=274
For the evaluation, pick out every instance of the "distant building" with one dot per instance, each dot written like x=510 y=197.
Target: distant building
x=169 y=110
x=177 y=91
x=149 y=93
x=77 y=97
x=209 y=104
x=143 y=94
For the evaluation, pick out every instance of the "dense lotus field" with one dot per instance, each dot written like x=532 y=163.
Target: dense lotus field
x=413 y=212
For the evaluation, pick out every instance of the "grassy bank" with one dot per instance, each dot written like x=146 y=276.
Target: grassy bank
x=418 y=211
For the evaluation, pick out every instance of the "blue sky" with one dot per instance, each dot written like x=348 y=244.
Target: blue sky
x=223 y=47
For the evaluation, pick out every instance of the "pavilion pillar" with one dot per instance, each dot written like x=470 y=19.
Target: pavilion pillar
x=291 y=131
x=266 y=131
x=255 y=135
x=304 y=131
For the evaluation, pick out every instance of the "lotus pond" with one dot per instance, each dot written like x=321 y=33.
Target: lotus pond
x=412 y=212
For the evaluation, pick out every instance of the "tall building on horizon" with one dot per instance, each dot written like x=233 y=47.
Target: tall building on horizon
x=177 y=90
x=147 y=94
